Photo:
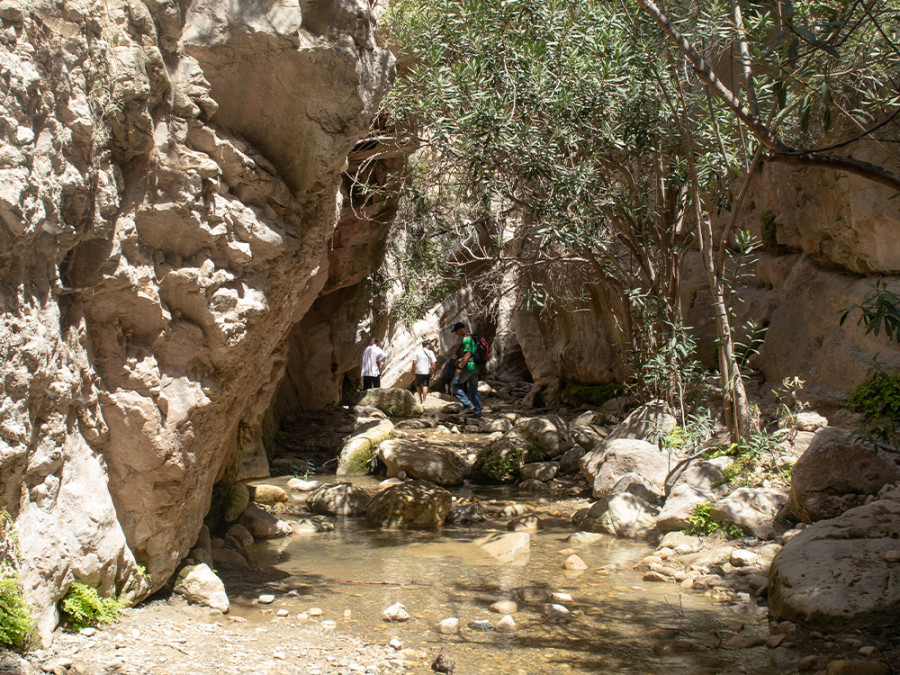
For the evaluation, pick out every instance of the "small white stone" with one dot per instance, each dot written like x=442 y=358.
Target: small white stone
x=555 y=612
x=395 y=644
x=396 y=612
x=315 y=611
x=561 y=597
x=328 y=623
x=506 y=625
x=282 y=612
x=743 y=558
x=504 y=607
x=266 y=599
x=90 y=631
x=449 y=626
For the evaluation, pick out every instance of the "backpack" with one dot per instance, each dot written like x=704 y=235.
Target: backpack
x=482 y=350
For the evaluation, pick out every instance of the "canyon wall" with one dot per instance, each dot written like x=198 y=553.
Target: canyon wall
x=169 y=185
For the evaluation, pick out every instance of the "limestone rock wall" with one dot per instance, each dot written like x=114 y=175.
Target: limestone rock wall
x=169 y=184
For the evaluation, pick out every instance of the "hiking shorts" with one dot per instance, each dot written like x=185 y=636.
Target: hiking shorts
x=422 y=380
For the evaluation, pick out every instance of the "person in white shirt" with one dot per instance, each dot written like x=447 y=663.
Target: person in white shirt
x=423 y=367
x=372 y=360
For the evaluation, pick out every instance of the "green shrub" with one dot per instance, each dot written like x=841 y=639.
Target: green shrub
x=16 y=620
x=82 y=607
x=878 y=398
x=593 y=394
x=701 y=523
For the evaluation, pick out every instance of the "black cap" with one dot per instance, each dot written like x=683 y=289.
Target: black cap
x=457 y=326
x=425 y=343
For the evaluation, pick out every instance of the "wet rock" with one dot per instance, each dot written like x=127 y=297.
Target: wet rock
x=504 y=607
x=412 y=505
x=573 y=562
x=525 y=524
x=302 y=485
x=263 y=525
x=338 y=499
x=265 y=599
x=506 y=625
x=656 y=576
x=531 y=595
x=240 y=537
x=532 y=485
x=833 y=575
x=512 y=548
x=812 y=662
x=744 y=641
x=557 y=613
x=449 y=626
x=481 y=625
x=470 y=512
x=585 y=538
x=836 y=473
x=423 y=462
x=310 y=524
x=511 y=510
x=361 y=447
x=267 y=494
x=396 y=613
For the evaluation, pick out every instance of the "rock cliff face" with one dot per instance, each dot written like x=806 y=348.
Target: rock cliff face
x=169 y=185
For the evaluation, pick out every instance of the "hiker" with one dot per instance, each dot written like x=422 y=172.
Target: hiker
x=465 y=380
x=445 y=375
x=372 y=360
x=423 y=368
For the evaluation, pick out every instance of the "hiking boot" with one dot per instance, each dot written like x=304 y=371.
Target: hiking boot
x=467 y=409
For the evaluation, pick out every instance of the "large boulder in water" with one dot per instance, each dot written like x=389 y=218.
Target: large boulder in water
x=413 y=505
x=338 y=499
x=836 y=473
x=359 y=448
x=424 y=462
x=842 y=572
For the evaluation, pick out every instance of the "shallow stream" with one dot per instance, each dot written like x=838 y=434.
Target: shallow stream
x=622 y=623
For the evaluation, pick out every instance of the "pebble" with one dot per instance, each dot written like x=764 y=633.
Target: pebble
x=561 y=597
x=396 y=612
x=573 y=562
x=556 y=612
x=743 y=558
x=90 y=631
x=892 y=556
x=504 y=607
x=329 y=623
x=813 y=662
x=482 y=625
x=868 y=651
x=266 y=599
x=314 y=611
x=506 y=625
x=449 y=626
x=395 y=644
x=282 y=613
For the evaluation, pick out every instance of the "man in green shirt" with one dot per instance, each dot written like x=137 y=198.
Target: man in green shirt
x=465 y=379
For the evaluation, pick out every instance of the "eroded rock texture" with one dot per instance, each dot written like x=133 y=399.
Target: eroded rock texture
x=169 y=184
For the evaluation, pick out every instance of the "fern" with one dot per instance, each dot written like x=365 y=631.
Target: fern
x=83 y=607
x=16 y=621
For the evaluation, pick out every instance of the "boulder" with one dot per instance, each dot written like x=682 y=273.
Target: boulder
x=752 y=509
x=637 y=485
x=548 y=434
x=679 y=506
x=652 y=420
x=570 y=460
x=200 y=586
x=513 y=548
x=501 y=460
x=412 y=505
x=810 y=420
x=236 y=498
x=424 y=462
x=263 y=525
x=359 y=448
x=628 y=516
x=393 y=402
x=606 y=464
x=834 y=575
x=338 y=499
x=836 y=473
x=268 y=494
x=700 y=474
x=542 y=471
